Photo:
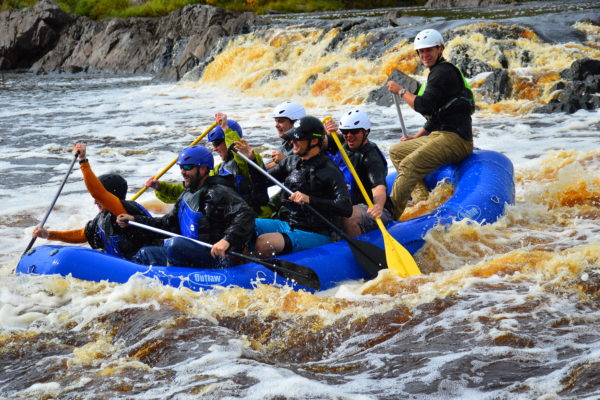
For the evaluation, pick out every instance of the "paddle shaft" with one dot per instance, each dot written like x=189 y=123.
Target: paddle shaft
x=171 y=234
x=397 y=102
x=354 y=243
x=288 y=191
x=303 y=275
x=53 y=201
x=397 y=257
x=168 y=167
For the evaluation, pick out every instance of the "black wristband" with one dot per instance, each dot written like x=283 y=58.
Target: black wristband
x=82 y=161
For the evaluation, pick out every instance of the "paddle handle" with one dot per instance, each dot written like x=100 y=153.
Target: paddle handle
x=397 y=102
x=32 y=241
x=168 y=167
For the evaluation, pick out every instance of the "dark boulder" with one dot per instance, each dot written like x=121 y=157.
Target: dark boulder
x=495 y=87
x=581 y=69
x=580 y=89
x=382 y=97
x=25 y=36
x=468 y=65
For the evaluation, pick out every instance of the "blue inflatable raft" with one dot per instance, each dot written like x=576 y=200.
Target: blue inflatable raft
x=483 y=185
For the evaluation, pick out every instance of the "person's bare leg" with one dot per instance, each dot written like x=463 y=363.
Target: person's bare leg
x=351 y=225
x=269 y=245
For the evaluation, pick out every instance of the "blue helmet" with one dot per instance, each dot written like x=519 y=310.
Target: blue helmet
x=196 y=155
x=218 y=134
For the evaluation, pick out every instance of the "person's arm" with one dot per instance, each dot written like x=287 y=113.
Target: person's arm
x=237 y=217
x=108 y=200
x=169 y=192
x=168 y=222
x=407 y=97
x=72 y=236
x=379 y=199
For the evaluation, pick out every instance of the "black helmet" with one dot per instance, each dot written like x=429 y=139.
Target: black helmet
x=308 y=127
x=115 y=184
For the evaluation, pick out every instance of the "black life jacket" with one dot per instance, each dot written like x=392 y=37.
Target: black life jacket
x=104 y=233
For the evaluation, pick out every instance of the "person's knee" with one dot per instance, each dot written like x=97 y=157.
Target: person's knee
x=352 y=224
x=268 y=245
x=150 y=255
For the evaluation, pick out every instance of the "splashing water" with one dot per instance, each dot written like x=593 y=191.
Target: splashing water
x=503 y=310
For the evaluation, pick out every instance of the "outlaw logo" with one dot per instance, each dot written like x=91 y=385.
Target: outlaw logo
x=207 y=278
x=471 y=212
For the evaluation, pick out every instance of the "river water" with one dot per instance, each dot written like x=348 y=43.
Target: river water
x=508 y=310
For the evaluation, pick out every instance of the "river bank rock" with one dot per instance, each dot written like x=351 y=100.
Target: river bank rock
x=468 y=3
x=46 y=39
x=579 y=88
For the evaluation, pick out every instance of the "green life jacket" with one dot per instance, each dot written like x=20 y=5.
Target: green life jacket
x=466 y=95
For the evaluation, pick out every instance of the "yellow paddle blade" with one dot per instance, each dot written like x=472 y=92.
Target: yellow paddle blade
x=397 y=257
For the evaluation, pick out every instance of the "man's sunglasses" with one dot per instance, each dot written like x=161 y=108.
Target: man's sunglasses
x=217 y=143
x=351 y=131
x=187 y=167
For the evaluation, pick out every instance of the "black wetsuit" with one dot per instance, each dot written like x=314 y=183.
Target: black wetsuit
x=322 y=181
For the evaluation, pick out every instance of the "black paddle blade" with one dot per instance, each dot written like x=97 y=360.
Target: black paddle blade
x=368 y=256
x=289 y=270
x=299 y=273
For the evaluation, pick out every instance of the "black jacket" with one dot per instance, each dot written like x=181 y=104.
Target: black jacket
x=226 y=215
x=322 y=181
x=445 y=84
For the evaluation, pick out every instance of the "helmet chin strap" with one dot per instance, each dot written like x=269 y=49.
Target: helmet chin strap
x=309 y=148
x=365 y=137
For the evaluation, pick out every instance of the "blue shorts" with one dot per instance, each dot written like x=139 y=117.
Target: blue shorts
x=301 y=240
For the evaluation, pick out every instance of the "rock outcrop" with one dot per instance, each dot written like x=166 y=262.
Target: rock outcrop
x=580 y=88
x=468 y=3
x=44 y=39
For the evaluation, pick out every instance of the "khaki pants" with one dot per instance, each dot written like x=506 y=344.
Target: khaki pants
x=414 y=159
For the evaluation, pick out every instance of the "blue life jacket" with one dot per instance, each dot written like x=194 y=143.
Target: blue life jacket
x=190 y=222
x=338 y=160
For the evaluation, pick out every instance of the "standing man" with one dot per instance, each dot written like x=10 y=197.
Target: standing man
x=314 y=180
x=207 y=210
x=446 y=101
x=371 y=167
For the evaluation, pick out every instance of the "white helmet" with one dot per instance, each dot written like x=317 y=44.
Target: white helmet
x=289 y=109
x=355 y=119
x=428 y=38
